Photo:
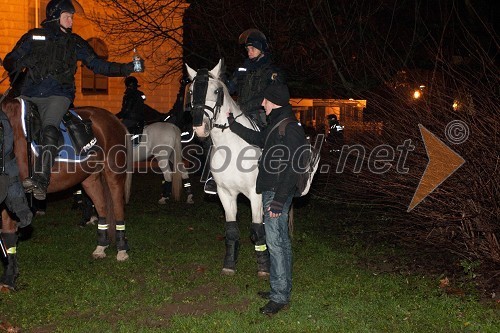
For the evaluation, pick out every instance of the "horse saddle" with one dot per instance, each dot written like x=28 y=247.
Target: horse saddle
x=76 y=142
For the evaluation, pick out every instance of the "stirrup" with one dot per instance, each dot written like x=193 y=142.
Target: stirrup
x=210 y=186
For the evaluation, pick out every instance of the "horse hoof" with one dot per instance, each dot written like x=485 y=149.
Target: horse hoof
x=228 y=271
x=163 y=201
x=190 y=199
x=122 y=255
x=92 y=220
x=99 y=252
x=262 y=274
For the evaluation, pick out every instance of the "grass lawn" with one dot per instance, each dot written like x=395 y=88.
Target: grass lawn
x=172 y=281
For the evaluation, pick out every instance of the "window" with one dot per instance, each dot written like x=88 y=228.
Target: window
x=95 y=84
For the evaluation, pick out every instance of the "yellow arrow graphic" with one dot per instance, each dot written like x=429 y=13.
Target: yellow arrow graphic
x=443 y=162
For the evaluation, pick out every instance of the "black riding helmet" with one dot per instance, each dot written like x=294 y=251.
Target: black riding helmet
x=255 y=38
x=54 y=10
x=56 y=7
x=131 y=82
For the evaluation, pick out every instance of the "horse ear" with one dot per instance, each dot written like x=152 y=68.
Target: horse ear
x=191 y=72
x=217 y=69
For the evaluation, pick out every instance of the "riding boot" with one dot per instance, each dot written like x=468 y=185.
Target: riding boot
x=41 y=178
x=258 y=237
x=232 y=246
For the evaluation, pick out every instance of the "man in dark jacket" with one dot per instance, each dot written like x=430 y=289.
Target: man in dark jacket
x=132 y=112
x=50 y=55
x=276 y=181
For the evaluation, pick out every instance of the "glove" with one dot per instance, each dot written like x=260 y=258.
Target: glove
x=230 y=118
x=126 y=69
x=276 y=207
x=25 y=216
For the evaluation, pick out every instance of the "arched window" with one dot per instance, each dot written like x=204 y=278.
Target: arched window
x=95 y=84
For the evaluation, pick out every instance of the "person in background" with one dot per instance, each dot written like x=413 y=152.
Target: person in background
x=276 y=181
x=132 y=112
x=50 y=55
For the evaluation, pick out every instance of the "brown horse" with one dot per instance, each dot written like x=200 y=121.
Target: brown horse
x=104 y=177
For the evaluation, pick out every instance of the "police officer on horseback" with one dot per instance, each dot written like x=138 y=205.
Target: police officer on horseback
x=257 y=72
x=50 y=55
x=250 y=80
x=132 y=112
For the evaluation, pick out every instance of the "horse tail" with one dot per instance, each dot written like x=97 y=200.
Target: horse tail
x=177 y=161
x=290 y=221
x=130 y=169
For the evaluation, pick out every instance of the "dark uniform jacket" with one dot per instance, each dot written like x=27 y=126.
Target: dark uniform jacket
x=16 y=199
x=132 y=106
x=250 y=81
x=51 y=56
x=276 y=174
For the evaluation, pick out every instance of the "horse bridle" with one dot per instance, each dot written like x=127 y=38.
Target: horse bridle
x=198 y=105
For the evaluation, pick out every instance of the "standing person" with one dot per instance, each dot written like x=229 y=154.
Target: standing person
x=11 y=190
x=276 y=181
x=50 y=55
x=250 y=80
x=132 y=112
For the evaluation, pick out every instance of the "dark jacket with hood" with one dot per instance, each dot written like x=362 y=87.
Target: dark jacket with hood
x=50 y=56
x=279 y=160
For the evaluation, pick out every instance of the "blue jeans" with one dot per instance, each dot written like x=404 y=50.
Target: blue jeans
x=280 y=250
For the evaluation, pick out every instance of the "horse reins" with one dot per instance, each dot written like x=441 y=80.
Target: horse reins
x=199 y=107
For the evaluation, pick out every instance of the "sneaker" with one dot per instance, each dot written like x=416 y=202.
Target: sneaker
x=272 y=308
x=210 y=186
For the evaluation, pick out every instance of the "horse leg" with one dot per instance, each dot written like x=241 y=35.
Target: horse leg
x=232 y=233
x=115 y=189
x=94 y=189
x=258 y=236
x=166 y=186
x=9 y=240
x=187 y=187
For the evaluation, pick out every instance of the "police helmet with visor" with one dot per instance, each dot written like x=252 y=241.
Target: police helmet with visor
x=255 y=38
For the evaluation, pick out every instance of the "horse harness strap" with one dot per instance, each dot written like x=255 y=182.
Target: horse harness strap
x=200 y=90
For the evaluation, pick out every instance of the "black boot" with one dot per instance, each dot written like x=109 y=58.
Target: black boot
x=41 y=177
x=258 y=237
x=232 y=247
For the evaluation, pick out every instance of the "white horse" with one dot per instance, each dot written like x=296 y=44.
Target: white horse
x=162 y=141
x=233 y=161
